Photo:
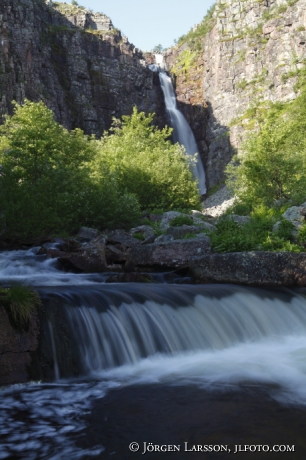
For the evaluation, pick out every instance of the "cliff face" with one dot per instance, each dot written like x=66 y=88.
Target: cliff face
x=76 y=62
x=253 y=53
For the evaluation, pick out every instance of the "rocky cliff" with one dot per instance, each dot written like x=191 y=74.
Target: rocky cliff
x=75 y=61
x=253 y=52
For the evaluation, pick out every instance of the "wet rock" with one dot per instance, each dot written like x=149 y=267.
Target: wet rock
x=132 y=277
x=170 y=254
x=15 y=349
x=252 y=268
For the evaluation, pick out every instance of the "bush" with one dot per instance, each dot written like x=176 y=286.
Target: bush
x=255 y=235
x=20 y=302
x=46 y=184
x=272 y=165
x=146 y=164
x=181 y=220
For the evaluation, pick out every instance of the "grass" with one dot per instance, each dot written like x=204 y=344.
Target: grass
x=20 y=302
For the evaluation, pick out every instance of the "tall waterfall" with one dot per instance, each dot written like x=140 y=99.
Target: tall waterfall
x=182 y=132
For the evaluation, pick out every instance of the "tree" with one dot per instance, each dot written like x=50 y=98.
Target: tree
x=273 y=160
x=46 y=184
x=158 y=49
x=146 y=164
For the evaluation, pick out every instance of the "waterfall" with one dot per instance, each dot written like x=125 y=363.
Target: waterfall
x=182 y=132
x=204 y=334
x=129 y=339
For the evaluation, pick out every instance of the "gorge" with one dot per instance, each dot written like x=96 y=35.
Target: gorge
x=105 y=365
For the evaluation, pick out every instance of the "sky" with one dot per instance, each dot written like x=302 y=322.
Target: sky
x=148 y=23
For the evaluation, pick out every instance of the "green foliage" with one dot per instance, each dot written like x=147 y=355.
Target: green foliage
x=302 y=235
x=45 y=183
x=285 y=230
x=256 y=235
x=53 y=180
x=194 y=38
x=139 y=236
x=20 y=302
x=184 y=63
x=272 y=164
x=158 y=49
x=181 y=220
x=189 y=235
x=146 y=164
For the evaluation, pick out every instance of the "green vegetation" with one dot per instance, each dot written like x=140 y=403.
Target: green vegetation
x=255 y=235
x=267 y=177
x=185 y=61
x=20 y=302
x=195 y=36
x=181 y=220
x=144 y=162
x=53 y=180
x=272 y=162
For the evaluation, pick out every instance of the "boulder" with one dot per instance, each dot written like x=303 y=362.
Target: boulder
x=90 y=258
x=251 y=268
x=163 y=239
x=168 y=217
x=121 y=237
x=296 y=215
x=87 y=233
x=145 y=230
x=172 y=254
x=183 y=230
x=113 y=254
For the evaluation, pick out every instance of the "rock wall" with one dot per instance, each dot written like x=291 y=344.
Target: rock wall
x=16 y=349
x=253 y=53
x=76 y=62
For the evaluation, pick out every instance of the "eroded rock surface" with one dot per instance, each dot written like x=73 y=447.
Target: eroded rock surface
x=252 y=268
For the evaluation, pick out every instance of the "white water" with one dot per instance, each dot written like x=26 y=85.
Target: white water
x=182 y=132
x=212 y=336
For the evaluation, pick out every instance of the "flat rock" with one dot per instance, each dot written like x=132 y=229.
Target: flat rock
x=251 y=268
x=172 y=254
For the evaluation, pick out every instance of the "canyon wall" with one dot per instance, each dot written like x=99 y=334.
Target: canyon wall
x=254 y=52
x=76 y=62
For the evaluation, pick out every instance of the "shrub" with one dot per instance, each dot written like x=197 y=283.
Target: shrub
x=181 y=220
x=273 y=160
x=146 y=164
x=20 y=302
x=46 y=184
x=254 y=235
